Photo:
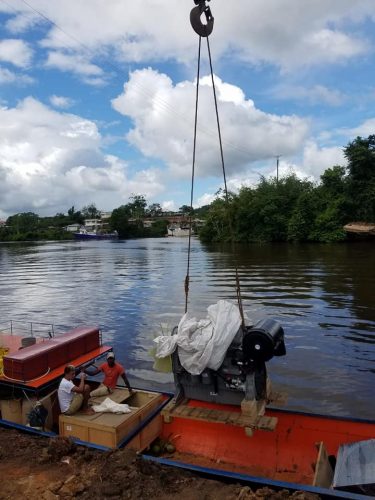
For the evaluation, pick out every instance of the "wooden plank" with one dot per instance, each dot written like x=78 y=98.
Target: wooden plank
x=178 y=410
x=252 y=418
x=267 y=423
x=323 y=471
x=249 y=408
x=204 y=413
x=186 y=411
x=278 y=398
x=222 y=416
x=234 y=418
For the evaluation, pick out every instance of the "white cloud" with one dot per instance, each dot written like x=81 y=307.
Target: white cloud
x=163 y=116
x=91 y=73
x=7 y=76
x=169 y=206
x=16 y=52
x=61 y=102
x=364 y=130
x=51 y=160
x=284 y=34
x=317 y=159
x=332 y=46
x=318 y=94
x=20 y=23
x=205 y=199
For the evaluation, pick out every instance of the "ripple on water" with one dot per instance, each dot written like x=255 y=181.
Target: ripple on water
x=322 y=295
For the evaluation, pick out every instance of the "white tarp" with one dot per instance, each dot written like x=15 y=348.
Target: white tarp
x=109 y=406
x=202 y=343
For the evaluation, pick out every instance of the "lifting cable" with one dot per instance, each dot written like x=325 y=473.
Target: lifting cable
x=204 y=30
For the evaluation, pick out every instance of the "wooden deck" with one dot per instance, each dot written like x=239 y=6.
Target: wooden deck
x=250 y=415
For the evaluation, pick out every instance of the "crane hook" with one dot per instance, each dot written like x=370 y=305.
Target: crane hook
x=195 y=18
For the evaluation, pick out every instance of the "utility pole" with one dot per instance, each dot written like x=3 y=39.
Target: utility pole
x=277 y=168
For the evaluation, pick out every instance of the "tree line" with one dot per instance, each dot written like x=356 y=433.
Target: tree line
x=286 y=209
x=293 y=209
x=127 y=220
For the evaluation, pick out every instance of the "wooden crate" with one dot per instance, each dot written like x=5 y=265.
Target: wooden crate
x=109 y=429
x=11 y=409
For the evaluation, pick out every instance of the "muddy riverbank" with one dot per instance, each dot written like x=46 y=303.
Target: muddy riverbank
x=40 y=468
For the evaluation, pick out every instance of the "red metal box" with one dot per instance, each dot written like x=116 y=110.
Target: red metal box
x=38 y=359
x=80 y=341
x=30 y=362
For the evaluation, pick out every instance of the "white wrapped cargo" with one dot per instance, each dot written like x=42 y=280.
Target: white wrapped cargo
x=202 y=343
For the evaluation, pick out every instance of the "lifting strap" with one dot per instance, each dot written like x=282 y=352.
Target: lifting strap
x=204 y=30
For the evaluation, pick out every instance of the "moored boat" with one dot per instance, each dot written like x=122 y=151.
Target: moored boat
x=32 y=368
x=83 y=234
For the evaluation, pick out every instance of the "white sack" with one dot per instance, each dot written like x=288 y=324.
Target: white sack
x=109 y=406
x=203 y=344
x=165 y=345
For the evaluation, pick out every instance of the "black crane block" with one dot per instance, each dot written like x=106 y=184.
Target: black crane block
x=196 y=14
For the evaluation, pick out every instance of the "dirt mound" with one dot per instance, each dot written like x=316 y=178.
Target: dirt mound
x=39 y=468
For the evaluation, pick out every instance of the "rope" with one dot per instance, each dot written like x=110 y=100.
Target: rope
x=238 y=286
x=27 y=381
x=187 y=277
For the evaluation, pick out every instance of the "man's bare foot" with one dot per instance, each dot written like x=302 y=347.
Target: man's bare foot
x=88 y=411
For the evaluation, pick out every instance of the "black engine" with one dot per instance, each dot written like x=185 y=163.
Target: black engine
x=243 y=373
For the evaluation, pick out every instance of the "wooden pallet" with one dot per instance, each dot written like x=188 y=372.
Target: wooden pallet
x=251 y=419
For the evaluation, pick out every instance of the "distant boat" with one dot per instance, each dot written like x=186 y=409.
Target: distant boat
x=360 y=229
x=179 y=231
x=83 y=234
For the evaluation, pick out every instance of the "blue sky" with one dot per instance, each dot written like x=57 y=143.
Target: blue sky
x=97 y=97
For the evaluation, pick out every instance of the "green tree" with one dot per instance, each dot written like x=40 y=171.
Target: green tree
x=155 y=210
x=186 y=210
x=218 y=219
x=22 y=223
x=301 y=222
x=119 y=221
x=263 y=213
x=75 y=216
x=158 y=229
x=90 y=211
x=137 y=206
x=360 y=154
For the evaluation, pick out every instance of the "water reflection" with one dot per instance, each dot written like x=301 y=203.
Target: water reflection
x=322 y=294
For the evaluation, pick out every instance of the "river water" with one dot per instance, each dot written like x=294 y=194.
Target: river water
x=323 y=295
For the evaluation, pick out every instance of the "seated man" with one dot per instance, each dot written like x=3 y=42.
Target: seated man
x=71 y=397
x=112 y=371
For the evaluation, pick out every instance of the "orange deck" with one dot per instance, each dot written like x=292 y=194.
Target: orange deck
x=286 y=454
x=13 y=342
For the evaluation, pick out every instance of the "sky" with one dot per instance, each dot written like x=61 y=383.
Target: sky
x=97 y=97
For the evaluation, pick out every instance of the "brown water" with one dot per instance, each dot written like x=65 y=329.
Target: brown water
x=323 y=295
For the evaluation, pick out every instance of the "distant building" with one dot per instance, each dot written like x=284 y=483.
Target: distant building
x=97 y=225
x=100 y=224
x=72 y=228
